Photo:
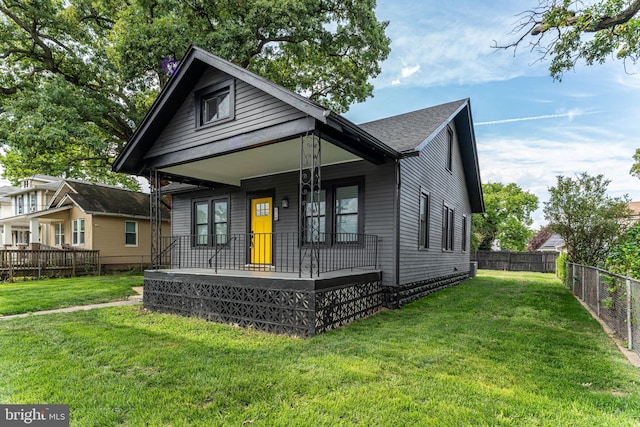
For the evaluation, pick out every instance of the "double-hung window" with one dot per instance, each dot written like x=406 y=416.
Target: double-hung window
x=211 y=222
x=465 y=230
x=77 y=232
x=423 y=239
x=131 y=233
x=337 y=216
x=59 y=234
x=449 y=149
x=447 y=228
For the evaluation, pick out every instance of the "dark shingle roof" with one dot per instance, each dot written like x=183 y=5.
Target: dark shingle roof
x=405 y=132
x=103 y=199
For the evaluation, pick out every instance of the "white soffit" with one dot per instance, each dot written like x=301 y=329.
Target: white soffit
x=256 y=162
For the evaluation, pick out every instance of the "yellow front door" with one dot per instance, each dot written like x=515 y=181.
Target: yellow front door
x=261 y=228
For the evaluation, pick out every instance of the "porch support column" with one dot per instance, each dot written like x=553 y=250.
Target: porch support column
x=34 y=231
x=7 y=238
x=309 y=199
x=155 y=217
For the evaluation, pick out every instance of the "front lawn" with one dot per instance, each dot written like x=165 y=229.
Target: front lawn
x=47 y=294
x=501 y=349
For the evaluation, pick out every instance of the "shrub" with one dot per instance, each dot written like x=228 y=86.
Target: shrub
x=561 y=267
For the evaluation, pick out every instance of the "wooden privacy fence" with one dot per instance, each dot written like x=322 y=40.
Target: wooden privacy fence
x=47 y=263
x=540 y=262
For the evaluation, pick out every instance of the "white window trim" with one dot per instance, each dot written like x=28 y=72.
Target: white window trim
x=135 y=233
x=75 y=234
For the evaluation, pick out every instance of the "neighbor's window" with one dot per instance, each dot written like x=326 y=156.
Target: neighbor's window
x=447 y=228
x=215 y=103
x=424 y=220
x=77 y=231
x=131 y=233
x=59 y=234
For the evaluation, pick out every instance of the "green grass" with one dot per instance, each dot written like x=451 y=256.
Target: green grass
x=501 y=349
x=47 y=294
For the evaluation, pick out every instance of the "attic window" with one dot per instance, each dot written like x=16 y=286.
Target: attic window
x=215 y=103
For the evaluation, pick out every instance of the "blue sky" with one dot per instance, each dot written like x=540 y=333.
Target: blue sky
x=529 y=129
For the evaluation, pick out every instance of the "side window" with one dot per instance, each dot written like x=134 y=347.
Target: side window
x=201 y=223
x=130 y=233
x=449 y=149
x=464 y=233
x=447 y=228
x=423 y=238
x=215 y=103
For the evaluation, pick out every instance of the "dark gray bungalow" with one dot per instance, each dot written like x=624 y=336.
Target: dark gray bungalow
x=290 y=218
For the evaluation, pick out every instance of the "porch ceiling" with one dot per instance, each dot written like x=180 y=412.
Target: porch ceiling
x=256 y=162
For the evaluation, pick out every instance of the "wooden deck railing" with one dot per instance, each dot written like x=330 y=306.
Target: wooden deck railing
x=47 y=263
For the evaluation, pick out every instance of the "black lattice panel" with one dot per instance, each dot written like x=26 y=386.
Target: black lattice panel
x=337 y=307
x=272 y=310
x=396 y=297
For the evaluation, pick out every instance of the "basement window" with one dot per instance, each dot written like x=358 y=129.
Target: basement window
x=215 y=104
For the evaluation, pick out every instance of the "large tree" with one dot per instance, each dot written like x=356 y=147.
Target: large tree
x=76 y=76
x=588 y=219
x=507 y=217
x=567 y=31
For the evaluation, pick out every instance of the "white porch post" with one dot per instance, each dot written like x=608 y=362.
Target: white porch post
x=7 y=239
x=34 y=231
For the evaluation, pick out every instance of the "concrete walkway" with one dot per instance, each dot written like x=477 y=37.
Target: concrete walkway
x=132 y=300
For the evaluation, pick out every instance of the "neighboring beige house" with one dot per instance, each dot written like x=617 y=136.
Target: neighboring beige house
x=635 y=207
x=90 y=216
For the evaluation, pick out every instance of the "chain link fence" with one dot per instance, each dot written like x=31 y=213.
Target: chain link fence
x=615 y=299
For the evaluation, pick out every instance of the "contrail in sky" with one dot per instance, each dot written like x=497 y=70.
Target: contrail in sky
x=570 y=114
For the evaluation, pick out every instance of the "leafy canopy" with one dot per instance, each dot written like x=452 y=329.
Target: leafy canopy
x=571 y=30
x=76 y=76
x=589 y=220
x=624 y=257
x=507 y=217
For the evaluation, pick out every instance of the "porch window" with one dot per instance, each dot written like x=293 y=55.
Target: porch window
x=339 y=213
x=316 y=220
x=59 y=234
x=347 y=213
x=131 y=233
x=215 y=103
x=221 y=221
x=424 y=221
x=206 y=224
x=447 y=228
x=77 y=231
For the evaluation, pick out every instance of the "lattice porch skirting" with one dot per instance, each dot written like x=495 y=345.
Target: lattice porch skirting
x=397 y=296
x=294 y=307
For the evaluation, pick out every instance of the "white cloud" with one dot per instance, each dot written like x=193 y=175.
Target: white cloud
x=409 y=71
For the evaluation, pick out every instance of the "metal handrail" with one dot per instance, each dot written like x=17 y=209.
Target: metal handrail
x=276 y=252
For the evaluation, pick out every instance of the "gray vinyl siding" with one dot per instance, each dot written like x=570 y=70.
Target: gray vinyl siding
x=254 y=110
x=427 y=172
x=378 y=204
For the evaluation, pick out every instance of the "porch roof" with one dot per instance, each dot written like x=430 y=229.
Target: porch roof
x=349 y=142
